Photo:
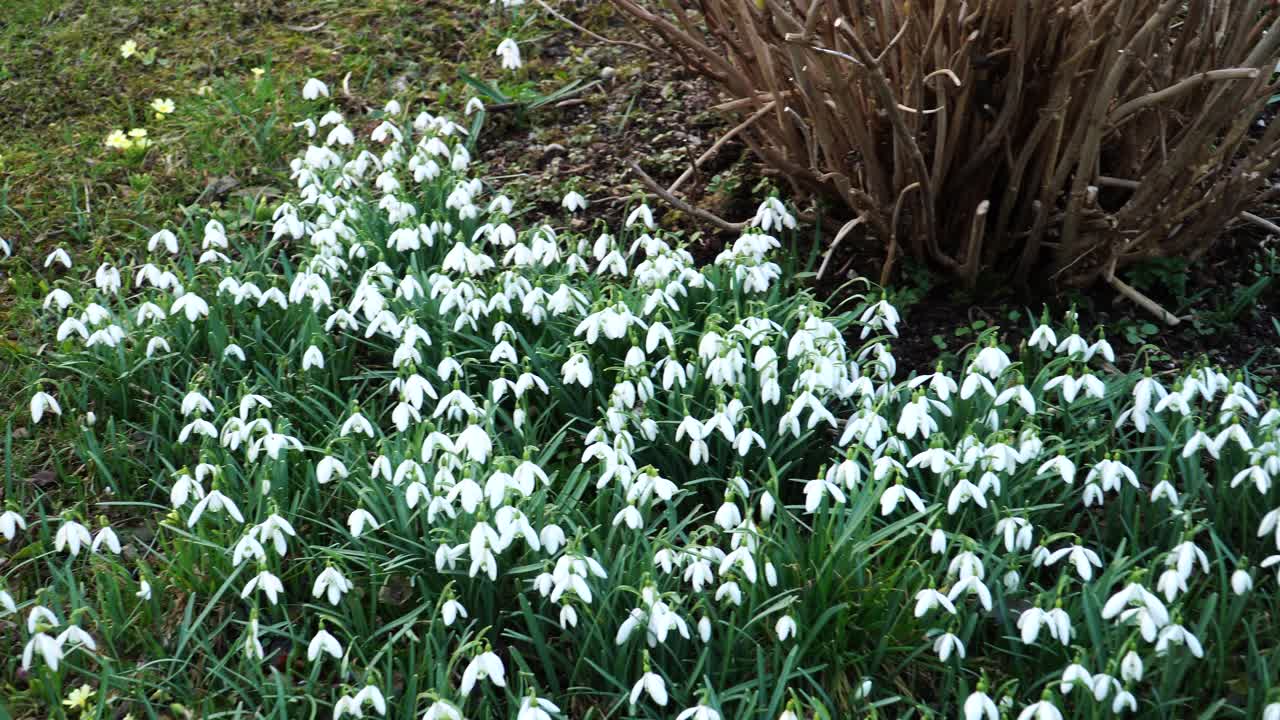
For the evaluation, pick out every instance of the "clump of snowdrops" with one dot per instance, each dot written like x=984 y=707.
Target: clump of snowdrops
x=397 y=451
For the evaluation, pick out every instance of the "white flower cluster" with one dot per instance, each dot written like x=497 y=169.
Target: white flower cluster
x=590 y=463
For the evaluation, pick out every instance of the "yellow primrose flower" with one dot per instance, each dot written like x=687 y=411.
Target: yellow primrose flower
x=258 y=73
x=128 y=49
x=162 y=106
x=117 y=140
x=138 y=133
x=79 y=698
x=203 y=90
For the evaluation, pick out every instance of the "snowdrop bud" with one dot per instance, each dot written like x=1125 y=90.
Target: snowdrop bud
x=938 y=542
x=1241 y=582
x=785 y=628
x=1011 y=581
x=1131 y=667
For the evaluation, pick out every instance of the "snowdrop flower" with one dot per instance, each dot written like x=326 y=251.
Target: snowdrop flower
x=574 y=201
x=1043 y=338
x=331 y=584
x=269 y=584
x=442 y=710
x=651 y=684
x=785 y=628
x=1042 y=710
x=106 y=536
x=371 y=695
x=323 y=643
x=451 y=611
x=312 y=357
x=314 y=88
x=1178 y=635
x=815 y=490
x=533 y=707
x=144 y=590
x=577 y=369
x=356 y=423
x=6 y=248
x=1124 y=700
x=215 y=501
x=190 y=305
x=1074 y=674
x=699 y=712
x=1100 y=347
x=643 y=214
x=895 y=494
x=485 y=666
x=1241 y=582
x=946 y=644
x=930 y=598
x=979 y=706
x=1031 y=620
x=880 y=315
x=359 y=520
x=510 y=54
x=10 y=523
x=164 y=238
x=58 y=256
x=49 y=649
x=1081 y=557
x=991 y=361
x=71 y=536
x=1062 y=465
x=42 y=402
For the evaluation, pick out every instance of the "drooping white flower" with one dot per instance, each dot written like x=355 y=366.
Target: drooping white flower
x=41 y=403
x=71 y=536
x=574 y=201
x=323 y=643
x=314 y=88
x=359 y=520
x=485 y=666
x=651 y=684
x=509 y=51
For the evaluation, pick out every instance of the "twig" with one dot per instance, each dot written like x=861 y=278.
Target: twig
x=715 y=147
x=1106 y=181
x=886 y=270
x=826 y=257
x=1178 y=88
x=1261 y=222
x=307 y=29
x=1138 y=298
x=681 y=205
x=587 y=32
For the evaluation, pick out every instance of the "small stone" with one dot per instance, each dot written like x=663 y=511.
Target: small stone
x=607 y=73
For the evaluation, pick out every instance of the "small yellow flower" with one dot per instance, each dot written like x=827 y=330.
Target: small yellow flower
x=258 y=73
x=162 y=106
x=117 y=140
x=79 y=698
x=128 y=49
x=142 y=143
x=203 y=90
x=137 y=133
